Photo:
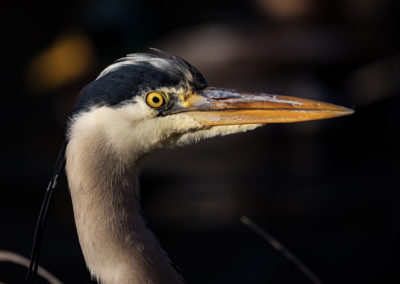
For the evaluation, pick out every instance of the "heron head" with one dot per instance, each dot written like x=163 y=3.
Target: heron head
x=143 y=102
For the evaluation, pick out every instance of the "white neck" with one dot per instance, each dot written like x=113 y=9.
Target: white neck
x=116 y=244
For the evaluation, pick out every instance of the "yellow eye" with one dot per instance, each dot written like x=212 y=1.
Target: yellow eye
x=155 y=99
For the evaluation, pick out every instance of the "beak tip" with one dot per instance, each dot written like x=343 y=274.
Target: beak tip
x=338 y=111
x=346 y=111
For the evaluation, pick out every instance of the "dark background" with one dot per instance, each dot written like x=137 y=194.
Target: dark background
x=328 y=190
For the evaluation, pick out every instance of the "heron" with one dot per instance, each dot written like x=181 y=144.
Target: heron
x=139 y=104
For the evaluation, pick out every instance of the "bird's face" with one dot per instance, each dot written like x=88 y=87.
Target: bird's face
x=172 y=105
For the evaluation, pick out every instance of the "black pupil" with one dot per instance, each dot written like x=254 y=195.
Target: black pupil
x=156 y=100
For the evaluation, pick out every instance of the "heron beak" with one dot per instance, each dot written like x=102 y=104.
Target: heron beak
x=214 y=106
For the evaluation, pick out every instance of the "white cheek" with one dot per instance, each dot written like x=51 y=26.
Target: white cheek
x=131 y=130
x=163 y=131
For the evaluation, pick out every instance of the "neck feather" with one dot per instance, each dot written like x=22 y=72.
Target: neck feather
x=116 y=244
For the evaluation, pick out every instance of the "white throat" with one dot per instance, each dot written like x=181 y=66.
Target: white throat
x=116 y=244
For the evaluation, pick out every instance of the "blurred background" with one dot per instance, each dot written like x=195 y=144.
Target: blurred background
x=328 y=190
